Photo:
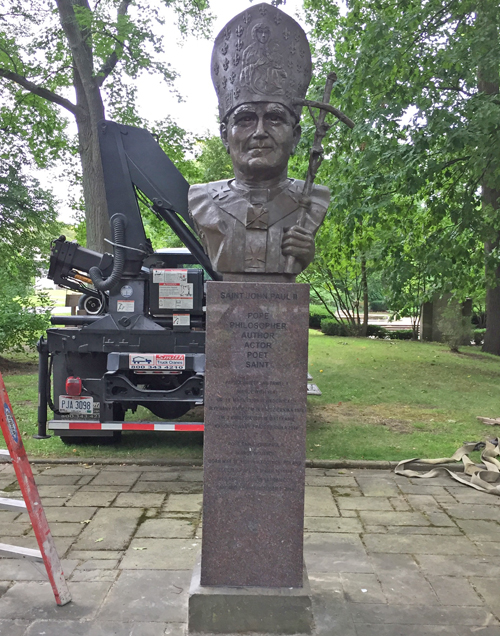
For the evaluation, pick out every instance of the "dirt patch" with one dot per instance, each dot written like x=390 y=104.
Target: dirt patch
x=399 y=418
x=12 y=367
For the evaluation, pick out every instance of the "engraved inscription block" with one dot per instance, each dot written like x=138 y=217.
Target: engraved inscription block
x=255 y=427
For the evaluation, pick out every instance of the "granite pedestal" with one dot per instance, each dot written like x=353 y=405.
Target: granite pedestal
x=254 y=461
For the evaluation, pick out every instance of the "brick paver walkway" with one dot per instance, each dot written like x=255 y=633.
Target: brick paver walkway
x=386 y=556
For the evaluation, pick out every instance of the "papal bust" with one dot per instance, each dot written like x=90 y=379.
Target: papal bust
x=249 y=225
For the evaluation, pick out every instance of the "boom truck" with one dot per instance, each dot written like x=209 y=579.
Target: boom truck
x=142 y=340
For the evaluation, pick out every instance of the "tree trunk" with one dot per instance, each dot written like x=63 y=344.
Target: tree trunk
x=364 y=286
x=90 y=111
x=94 y=194
x=488 y=83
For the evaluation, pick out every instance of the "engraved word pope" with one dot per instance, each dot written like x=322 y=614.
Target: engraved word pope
x=249 y=225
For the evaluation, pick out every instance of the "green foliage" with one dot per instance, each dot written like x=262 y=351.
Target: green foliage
x=24 y=315
x=478 y=336
x=402 y=334
x=27 y=225
x=335 y=328
x=455 y=327
x=378 y=305
x=317 y=313
x=377 y=332
x=405 y=182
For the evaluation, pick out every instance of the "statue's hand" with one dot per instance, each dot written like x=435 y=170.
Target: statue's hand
x=299 y=243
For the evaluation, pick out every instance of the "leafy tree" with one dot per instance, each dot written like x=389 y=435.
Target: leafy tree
x=50 y=47
x=422 y=167
x=27 y=222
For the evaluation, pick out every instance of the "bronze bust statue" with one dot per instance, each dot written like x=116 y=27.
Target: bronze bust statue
x=253 y=227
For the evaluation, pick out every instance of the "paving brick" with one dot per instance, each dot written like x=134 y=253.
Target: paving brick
x=405 y=587
x=56 y=480
x=107 y=488
x=331 y=615
x=116 y=478
x=99 y=564
x=376 y=614
x=167 y=487
x=100 y=499
x=83 y=555
x=148 y=596
x=405 y=630
x=364 y=503
x=160 y=476
x=319 y=502
x=362 y=588
x=13 y=628
x=479 y=529
x=459 y=565
x=399 y=503
x=184 y=503
x=70 y=469
x=28 y=541
x=17 y=529
x=474 y=511
x=346 y=492
x=415 y=544
x=195 y=474
x=464 y=630
x=488 y=589
x=423 y=502
x=423 y=489
x=378 y=487
x=21 y=570
x=75 y=628
x=454 y=590
x=95 y=575
x=439 y=518
x=166 y=529
x=386 y=518
x=161 y=554
x=349 y=513
x=110 y=529
x=337 y=482
x=63 y=529
x=447 y=530
x=75 y=514
x=34 y=600
x=471 y=496
x=48 y=502
x=84 y=480
x=332 y=524
x=490 y=548
x=139 y=500
x=57 y=491
x=335 y=553
x=388 y=563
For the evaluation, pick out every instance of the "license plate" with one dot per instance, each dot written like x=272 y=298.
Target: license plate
x=82 y=405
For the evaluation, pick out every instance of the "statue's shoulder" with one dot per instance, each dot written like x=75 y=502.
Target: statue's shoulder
x=320 y=194
x=203 y=194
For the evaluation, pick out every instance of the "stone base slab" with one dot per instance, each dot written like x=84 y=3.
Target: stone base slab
x=238 y=610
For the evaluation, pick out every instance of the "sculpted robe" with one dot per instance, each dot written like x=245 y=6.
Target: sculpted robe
x=242 y=230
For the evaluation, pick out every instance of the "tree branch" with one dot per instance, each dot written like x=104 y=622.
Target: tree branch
x=39 y=90
x=109 y=65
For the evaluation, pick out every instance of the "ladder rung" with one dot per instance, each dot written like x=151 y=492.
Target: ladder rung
x=13 y=504
x=17 y=552
x=5 y=455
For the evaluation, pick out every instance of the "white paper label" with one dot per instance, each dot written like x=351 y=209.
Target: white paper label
x=160 y=361
x=126 y=306
x=182 y=320
x=175 y=276
x=175 y=296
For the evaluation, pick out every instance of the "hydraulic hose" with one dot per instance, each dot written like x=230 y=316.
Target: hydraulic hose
x=118 y=234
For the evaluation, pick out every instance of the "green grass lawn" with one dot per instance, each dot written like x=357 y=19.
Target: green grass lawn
x=381 y=399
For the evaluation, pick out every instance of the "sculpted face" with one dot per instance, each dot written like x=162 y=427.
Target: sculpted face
x=260 y=137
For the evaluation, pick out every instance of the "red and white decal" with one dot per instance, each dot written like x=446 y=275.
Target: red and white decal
x=65 y=425
x=157 y=361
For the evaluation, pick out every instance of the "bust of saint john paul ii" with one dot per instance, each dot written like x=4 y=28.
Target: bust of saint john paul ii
x=249 y=224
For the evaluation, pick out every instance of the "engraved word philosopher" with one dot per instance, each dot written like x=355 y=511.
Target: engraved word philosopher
x=259 y=226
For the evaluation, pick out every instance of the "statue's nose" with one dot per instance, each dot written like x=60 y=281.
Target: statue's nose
x=260 y=131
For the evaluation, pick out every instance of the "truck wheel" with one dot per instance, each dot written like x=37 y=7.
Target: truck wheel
x=168 y=410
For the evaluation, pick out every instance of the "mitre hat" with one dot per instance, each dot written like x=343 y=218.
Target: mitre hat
x=261 y=55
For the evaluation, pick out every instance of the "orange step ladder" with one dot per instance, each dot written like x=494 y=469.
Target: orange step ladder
x=32 y=505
